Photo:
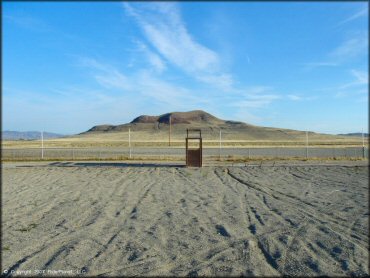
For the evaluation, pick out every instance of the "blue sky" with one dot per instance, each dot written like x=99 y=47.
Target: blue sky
x=69 y=66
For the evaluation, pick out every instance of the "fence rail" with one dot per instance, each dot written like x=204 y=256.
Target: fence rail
x=137 y=153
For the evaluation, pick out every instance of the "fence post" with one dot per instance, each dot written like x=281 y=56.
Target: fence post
x=129 y=141
x=219 y=150
x=363 y=144
x=42 y=145
x=306 y=144
x=169 y=135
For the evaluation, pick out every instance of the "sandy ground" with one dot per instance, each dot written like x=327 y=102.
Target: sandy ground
x=114 y=219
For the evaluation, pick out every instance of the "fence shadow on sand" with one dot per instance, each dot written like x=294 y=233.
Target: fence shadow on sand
x=113 y=164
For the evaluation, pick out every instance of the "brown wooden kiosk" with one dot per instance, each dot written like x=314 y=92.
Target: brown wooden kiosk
x=193 y=155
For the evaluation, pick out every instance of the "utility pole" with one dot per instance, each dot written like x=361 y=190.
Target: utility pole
x=363 y=143
x=129 y=140
x=42 y=145
x=363 y=140
x=306 y=144
x=169 y=135
x=219 y=150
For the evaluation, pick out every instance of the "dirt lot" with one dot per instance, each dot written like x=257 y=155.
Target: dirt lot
x=118 y=219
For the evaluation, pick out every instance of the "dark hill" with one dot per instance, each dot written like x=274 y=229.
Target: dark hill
x=157 y=126
x=178 y=118
x=146 y=122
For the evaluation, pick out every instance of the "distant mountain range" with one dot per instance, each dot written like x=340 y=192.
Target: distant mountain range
x=28 y=135
x=158 y=127
x=355 y=134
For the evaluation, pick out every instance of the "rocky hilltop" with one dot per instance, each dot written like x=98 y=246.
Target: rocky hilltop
x=158 y=126
x=196 y=118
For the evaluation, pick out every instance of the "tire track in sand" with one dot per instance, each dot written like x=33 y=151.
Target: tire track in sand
x=251 y=223
x=302 y=226
x=296 y=203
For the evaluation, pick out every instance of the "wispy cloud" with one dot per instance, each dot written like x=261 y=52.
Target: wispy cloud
x=353 y=94
x=313 y=65
x=253 y=90
x=256 y=103
x=223 y=81
x=294 y=97
x=154 y=59
x=358 y=79
x=354 y=46
x=244 y=115
x=167 y=44
x=165 y=95
x=300 y=97
x=172 y=95
x=114 y=80
x=143 y=83
x=357 y=87
x=106 y=75
x=363 y=12
x=361 y=78
x=26 y=22
x=168 y=36
x=165 y=30
x=256 y=97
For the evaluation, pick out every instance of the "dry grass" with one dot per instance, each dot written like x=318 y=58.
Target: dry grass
x=105 y=142
x=159 y=138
